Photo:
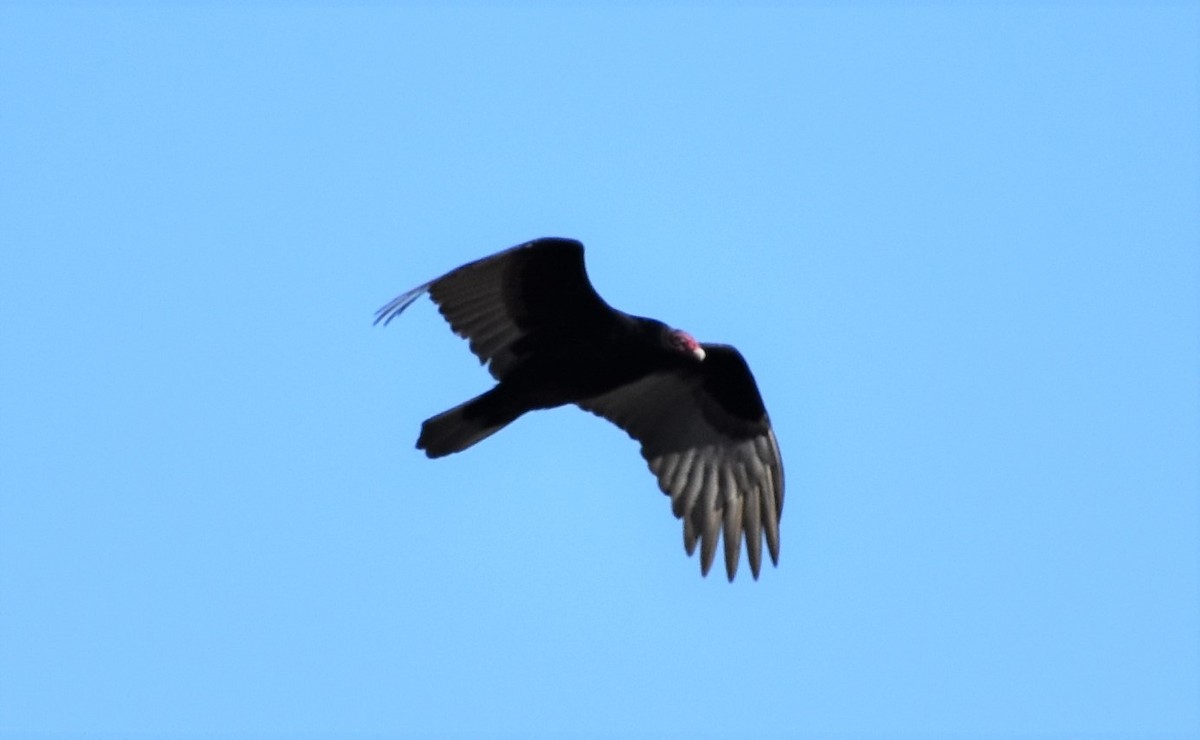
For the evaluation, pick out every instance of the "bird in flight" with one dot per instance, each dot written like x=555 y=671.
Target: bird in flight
x=532 y=316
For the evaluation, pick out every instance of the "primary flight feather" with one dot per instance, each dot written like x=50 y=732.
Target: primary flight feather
x=532 y=316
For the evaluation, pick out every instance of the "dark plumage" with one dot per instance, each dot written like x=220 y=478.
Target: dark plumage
x=532 y=316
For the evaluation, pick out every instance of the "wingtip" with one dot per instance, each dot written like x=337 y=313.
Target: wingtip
x=396 y=306
x=773 y=548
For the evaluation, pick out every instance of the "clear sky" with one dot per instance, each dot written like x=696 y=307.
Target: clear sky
x=960 y=248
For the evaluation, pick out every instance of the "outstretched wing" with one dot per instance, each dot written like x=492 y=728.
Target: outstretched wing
x=706 y=436
x=504 y=303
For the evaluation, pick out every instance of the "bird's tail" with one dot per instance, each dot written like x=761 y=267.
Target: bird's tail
x=462 y=426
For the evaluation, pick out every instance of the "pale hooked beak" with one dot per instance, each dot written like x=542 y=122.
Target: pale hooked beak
x=698 y=352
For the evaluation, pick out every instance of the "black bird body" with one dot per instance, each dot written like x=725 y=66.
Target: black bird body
x=531 y=315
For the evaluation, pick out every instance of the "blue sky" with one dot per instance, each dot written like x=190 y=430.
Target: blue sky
x=960 y=248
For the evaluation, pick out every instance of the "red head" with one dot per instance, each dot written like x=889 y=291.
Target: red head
x=686 y=344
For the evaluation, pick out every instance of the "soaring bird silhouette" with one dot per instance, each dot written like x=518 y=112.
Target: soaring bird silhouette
x=531 y=315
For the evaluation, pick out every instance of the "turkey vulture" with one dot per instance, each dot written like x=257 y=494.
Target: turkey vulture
x=532 y=316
